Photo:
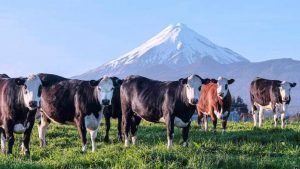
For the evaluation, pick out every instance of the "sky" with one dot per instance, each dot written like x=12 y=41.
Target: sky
x=70 y=37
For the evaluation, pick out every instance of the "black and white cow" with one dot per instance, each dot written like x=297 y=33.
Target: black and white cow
x=19 y=100
x=270 y=95
x=4 y=76
x=114 y=110
x=78 y=102
x=172 y=103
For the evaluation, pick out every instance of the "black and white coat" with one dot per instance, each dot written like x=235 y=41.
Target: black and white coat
x=172 y=103
x=78 y=102
x=19 y=100
x=271 y=95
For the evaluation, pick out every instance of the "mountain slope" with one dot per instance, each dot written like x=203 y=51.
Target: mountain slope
x=175 y=46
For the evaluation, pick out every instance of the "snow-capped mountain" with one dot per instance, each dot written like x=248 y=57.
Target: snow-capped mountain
x=178 y=51
x=175 y=46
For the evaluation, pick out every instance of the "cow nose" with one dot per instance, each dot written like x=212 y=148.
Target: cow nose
x=221 y=94
x=105 y=102
x=33 y=104
x=194 y=101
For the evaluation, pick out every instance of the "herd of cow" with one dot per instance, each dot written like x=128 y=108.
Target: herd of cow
x=82 y=103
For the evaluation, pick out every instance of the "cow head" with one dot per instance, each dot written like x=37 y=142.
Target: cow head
x=31 y=89
x=192 y=86
x=222 y=86
x=285 y=89
x=105 y=88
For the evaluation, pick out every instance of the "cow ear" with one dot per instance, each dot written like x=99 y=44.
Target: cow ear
x=20 y=81
x=293 y=84
x=205 y=81
x=213 y=81
x=94 y=82
x=183 y=81
x=231 y=81
x=117 y=82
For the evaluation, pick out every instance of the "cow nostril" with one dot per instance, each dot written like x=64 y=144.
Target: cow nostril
x=105 y=102
x=33 y=104
x=194 y=101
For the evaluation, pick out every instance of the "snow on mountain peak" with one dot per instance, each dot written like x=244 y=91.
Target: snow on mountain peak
x=177 y=45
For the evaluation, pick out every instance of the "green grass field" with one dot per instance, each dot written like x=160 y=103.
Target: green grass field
x=241 y=147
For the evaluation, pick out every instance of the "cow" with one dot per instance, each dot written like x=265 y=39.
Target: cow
x=271 y=95
x=19 y=101
x=4 y=76
x=215 y=101
x=77 y=102
x=114 y=110
x=172 y=103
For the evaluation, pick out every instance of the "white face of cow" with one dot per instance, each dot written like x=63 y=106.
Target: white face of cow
x=193 y=85
x=105 y=91
x=31 y=89
x=285 y=89
x=222 y=86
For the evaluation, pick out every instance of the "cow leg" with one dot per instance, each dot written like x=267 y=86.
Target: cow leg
x=170 y=129
x=254 y=113
x=260 y=114
x=282 y=120
x=126 y=120
x=42 y=129
x=224 y=125
x=120 y=128
x=93 y=134
x=205 y=124
x=3 y=140
x=82 y=132
x=214 y=121
x=107 y=125
x=285 y=109
x=134 y=127
x=26 y=138
x=185 y=135
x=9 y=129
x=275 y=119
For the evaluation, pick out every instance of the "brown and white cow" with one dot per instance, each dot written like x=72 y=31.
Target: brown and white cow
x=19 y=100
x=271 y=95
x=215 y=101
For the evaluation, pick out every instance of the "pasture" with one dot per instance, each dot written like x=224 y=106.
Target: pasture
x=241 y=147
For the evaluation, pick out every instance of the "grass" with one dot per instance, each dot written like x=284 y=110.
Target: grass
x=241 y=147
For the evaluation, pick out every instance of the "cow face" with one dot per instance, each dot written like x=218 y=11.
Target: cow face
x=285 y=89
x=31 y=89
x=105 y=88
x=222 y=86
x=193 y=85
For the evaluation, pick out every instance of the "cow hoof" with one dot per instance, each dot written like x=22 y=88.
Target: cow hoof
x=42 y=143
x=26 y=153
x=185 y=144
x=106 y=139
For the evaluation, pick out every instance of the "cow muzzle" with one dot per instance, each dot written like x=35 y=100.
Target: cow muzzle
x=33 y=104
x=194 y=101
x=105 y=102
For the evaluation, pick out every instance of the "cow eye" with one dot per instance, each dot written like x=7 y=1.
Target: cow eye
x=226 y=86
x=112 y=89
x=199 y=88
x=25 y=86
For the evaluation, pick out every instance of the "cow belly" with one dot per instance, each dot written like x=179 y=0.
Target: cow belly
x=20 y=128
x=91 y=122
x=177 y=122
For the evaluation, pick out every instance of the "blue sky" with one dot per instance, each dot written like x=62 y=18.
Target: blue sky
x=69 y=37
